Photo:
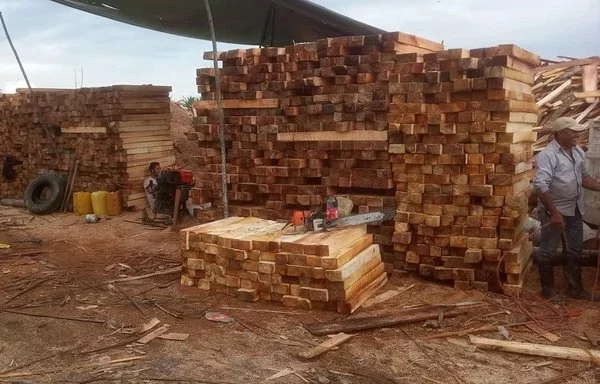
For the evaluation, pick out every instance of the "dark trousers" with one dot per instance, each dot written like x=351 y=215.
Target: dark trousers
x=572 y=244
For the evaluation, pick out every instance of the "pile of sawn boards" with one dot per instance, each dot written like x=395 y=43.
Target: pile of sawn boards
x=252 y=259
x=114 y=132
x=445 y=136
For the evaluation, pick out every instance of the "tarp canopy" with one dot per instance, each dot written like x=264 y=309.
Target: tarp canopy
x=251 y=22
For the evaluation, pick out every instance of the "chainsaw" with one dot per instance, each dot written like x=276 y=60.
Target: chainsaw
x=321 y=220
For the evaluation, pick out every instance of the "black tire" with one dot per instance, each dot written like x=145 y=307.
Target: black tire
x=42 y=203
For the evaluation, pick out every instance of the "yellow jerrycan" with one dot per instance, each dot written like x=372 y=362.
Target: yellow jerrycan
x=82 y=203
x=99 y=203
x=113 y=203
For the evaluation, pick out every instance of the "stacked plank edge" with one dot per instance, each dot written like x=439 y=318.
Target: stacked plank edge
x=252 y=259
x=391 y=120
x=114 y=132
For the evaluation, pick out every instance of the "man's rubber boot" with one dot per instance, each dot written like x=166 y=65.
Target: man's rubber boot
x=547 y=279
x=573 y=277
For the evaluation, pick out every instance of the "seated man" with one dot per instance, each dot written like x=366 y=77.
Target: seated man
x=150 y=183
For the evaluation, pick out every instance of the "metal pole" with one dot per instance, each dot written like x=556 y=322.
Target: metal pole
x=219 y=111
x=15 y=52
x=34 y=100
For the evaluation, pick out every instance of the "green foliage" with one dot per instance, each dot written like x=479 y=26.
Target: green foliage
x=188 y=102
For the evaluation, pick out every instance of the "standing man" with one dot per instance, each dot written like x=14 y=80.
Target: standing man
x=150 y=183
x=559 y=181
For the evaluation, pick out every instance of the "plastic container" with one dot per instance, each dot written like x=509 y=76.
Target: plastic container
x=113 y=203
x=99 y=203
x=82 y=203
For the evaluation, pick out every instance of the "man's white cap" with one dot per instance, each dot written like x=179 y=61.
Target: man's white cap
x=566 y=123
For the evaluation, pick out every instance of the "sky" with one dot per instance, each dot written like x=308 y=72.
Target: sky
x=58 y=44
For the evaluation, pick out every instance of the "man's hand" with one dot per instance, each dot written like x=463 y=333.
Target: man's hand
x=590 y=183
x=557 y=221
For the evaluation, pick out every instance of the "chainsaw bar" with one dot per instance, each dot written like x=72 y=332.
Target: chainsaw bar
x=363 y=218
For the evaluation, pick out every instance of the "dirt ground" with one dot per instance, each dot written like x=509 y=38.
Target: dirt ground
x=59 y=266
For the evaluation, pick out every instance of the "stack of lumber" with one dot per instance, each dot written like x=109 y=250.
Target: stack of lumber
x=252 y=259
x=566 y=88
x=464 y=168
x=114 y=132
x=303 y=122
x=444 y=135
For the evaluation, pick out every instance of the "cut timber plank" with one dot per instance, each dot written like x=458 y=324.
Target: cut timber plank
x=149 y=149
x=174 y=336
x=370 y=254
x=381 y=298
x=585 y=95
x=348 y=307
x=83 y=130
x=142 y=88
x=531 y=349
x=154 y=334
x=146 y=116
x=141 y=123
x=357 y=283
x=333 y=136
x=237 y=104
x=149 y=325
x=589 y=79
x=339 y=239
x=342 y=257
x=386 y=296
x=552 y=95
x=325 y=346
x=159 y=273
x=413 y=40
x=366 y=323
x=145 y=128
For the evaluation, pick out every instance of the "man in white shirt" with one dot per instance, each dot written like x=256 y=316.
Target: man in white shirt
x=150 y=183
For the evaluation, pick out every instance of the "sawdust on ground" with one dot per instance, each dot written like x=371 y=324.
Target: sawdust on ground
x=68 y=278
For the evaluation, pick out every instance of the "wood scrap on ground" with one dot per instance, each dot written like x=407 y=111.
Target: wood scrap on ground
x=175 y=336
x=386 y=296
x=133 y=278
x=81 y=319
x=325 y=346
x=365 y=323
x=564 y=377
x=532 y=349
x=149 y=325
x=545 y=334
x=154 y=334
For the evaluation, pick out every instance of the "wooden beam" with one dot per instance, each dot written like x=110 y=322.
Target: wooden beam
x=589 y=79
x=237 y=104
x=333 y=136
x=366 y=323
x=588 y=94
x=568 y=64
x=325 y=346
x=587 y=111
x=531 y=349
x=552 y=95
x=83 y=130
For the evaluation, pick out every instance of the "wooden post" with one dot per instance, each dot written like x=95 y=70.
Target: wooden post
x=220 y=112
x=176 y=208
